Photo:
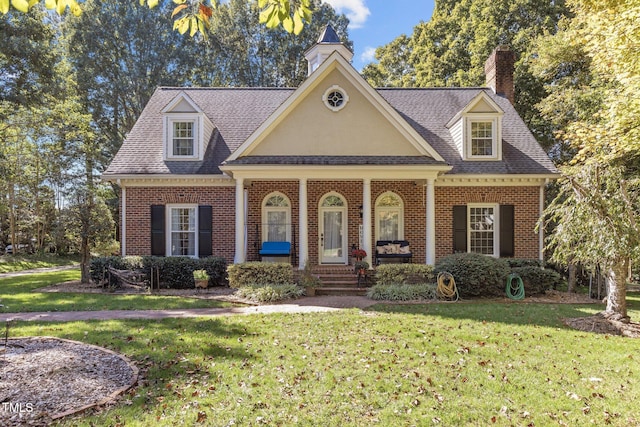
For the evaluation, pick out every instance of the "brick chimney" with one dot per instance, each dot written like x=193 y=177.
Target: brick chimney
x=499 y=72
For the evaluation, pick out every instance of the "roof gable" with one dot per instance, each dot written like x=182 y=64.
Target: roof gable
x=367 y=125
x=182 y=103
x=481 y=103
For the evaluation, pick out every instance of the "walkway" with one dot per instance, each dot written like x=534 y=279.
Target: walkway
x=302 y=305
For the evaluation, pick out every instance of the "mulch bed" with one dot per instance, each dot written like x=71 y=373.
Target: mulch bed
x=43 y=379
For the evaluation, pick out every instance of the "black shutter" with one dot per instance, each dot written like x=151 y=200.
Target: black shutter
x=507 y=240
x=158 y=240
x=459 y=229
x=205 y=220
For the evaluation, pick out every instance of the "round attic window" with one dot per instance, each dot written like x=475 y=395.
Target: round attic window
x=335 y=98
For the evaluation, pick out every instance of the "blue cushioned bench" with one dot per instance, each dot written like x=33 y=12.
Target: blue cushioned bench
x=275 y=249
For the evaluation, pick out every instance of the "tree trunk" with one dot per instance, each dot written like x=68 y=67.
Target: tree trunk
x=85 y=260
x=571 y=285
x=616 y=280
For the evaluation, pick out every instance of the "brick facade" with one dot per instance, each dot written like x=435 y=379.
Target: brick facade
x=222 y=199
x=140 y=200
x=526 y=210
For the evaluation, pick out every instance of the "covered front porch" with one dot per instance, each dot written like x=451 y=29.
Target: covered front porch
x=326 y=211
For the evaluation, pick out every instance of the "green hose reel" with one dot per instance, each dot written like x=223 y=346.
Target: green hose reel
x=515 y=287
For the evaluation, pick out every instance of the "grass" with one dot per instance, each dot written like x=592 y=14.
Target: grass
x=436 y=364
x=18 y=294
x=11 y=263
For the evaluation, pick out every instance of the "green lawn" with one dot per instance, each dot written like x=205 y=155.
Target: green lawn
x=10 y=263
x=17 y=295
x=450 y=364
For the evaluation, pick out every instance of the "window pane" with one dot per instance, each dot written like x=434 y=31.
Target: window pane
x=183 y=231
x=388 y=224
x=183 y=138
x=276 y=226
x=333 y=201
x=389 y=200
x=481 y=229
x=277 y=201
x=481 y=139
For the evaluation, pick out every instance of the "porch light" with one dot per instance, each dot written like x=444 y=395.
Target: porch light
x=361 y=207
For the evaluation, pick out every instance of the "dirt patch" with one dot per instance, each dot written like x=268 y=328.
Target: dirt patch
x=44 y=379
x=558 y=297
x=599 y=324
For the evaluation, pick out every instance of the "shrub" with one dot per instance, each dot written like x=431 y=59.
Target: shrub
x=395 y=274
x=98 y=266
x=260 y=273
x=476 y=275
x=270 y=293
x=523 y=262
x=216 y=269
x=402 y=292
x=537 y=280
x=174 y=272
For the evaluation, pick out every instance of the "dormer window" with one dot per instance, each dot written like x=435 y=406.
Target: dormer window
x=183 y=138
x=482 y=139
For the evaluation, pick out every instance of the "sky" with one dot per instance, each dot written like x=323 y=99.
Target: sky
x=374 y=23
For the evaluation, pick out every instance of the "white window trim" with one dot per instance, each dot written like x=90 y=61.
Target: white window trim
x=168 y=230
x=496 y=147
x=400 y=210
x=335 y=88
x=496 y=226
x=267 y=209
x=198 y=135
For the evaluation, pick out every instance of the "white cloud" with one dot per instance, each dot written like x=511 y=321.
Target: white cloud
x=356 y=11
x=369 y=55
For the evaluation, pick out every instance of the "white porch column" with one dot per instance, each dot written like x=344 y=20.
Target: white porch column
x=431 y=222
x=240 y=255
x=303 y=250
x=366 y=219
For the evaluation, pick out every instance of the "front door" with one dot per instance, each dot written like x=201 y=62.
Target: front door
x=333 y=227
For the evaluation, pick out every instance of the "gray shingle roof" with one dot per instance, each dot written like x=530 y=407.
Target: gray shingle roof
x=238 y=112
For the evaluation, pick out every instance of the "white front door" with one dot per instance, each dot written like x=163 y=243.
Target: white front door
x=333 y=230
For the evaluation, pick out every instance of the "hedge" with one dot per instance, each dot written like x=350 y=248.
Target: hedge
x=537 y=280
x=260 y=273
x=476 y=275
x=174 y=272
x=395 y=274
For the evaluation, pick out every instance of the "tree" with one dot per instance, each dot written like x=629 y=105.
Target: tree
x=192 y=16
x=451 y=49
x=597 y=211
x=27 y=70
x=119 y=53
x=241 y=52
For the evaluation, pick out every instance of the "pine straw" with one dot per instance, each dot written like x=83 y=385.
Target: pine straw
x=44 y=379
